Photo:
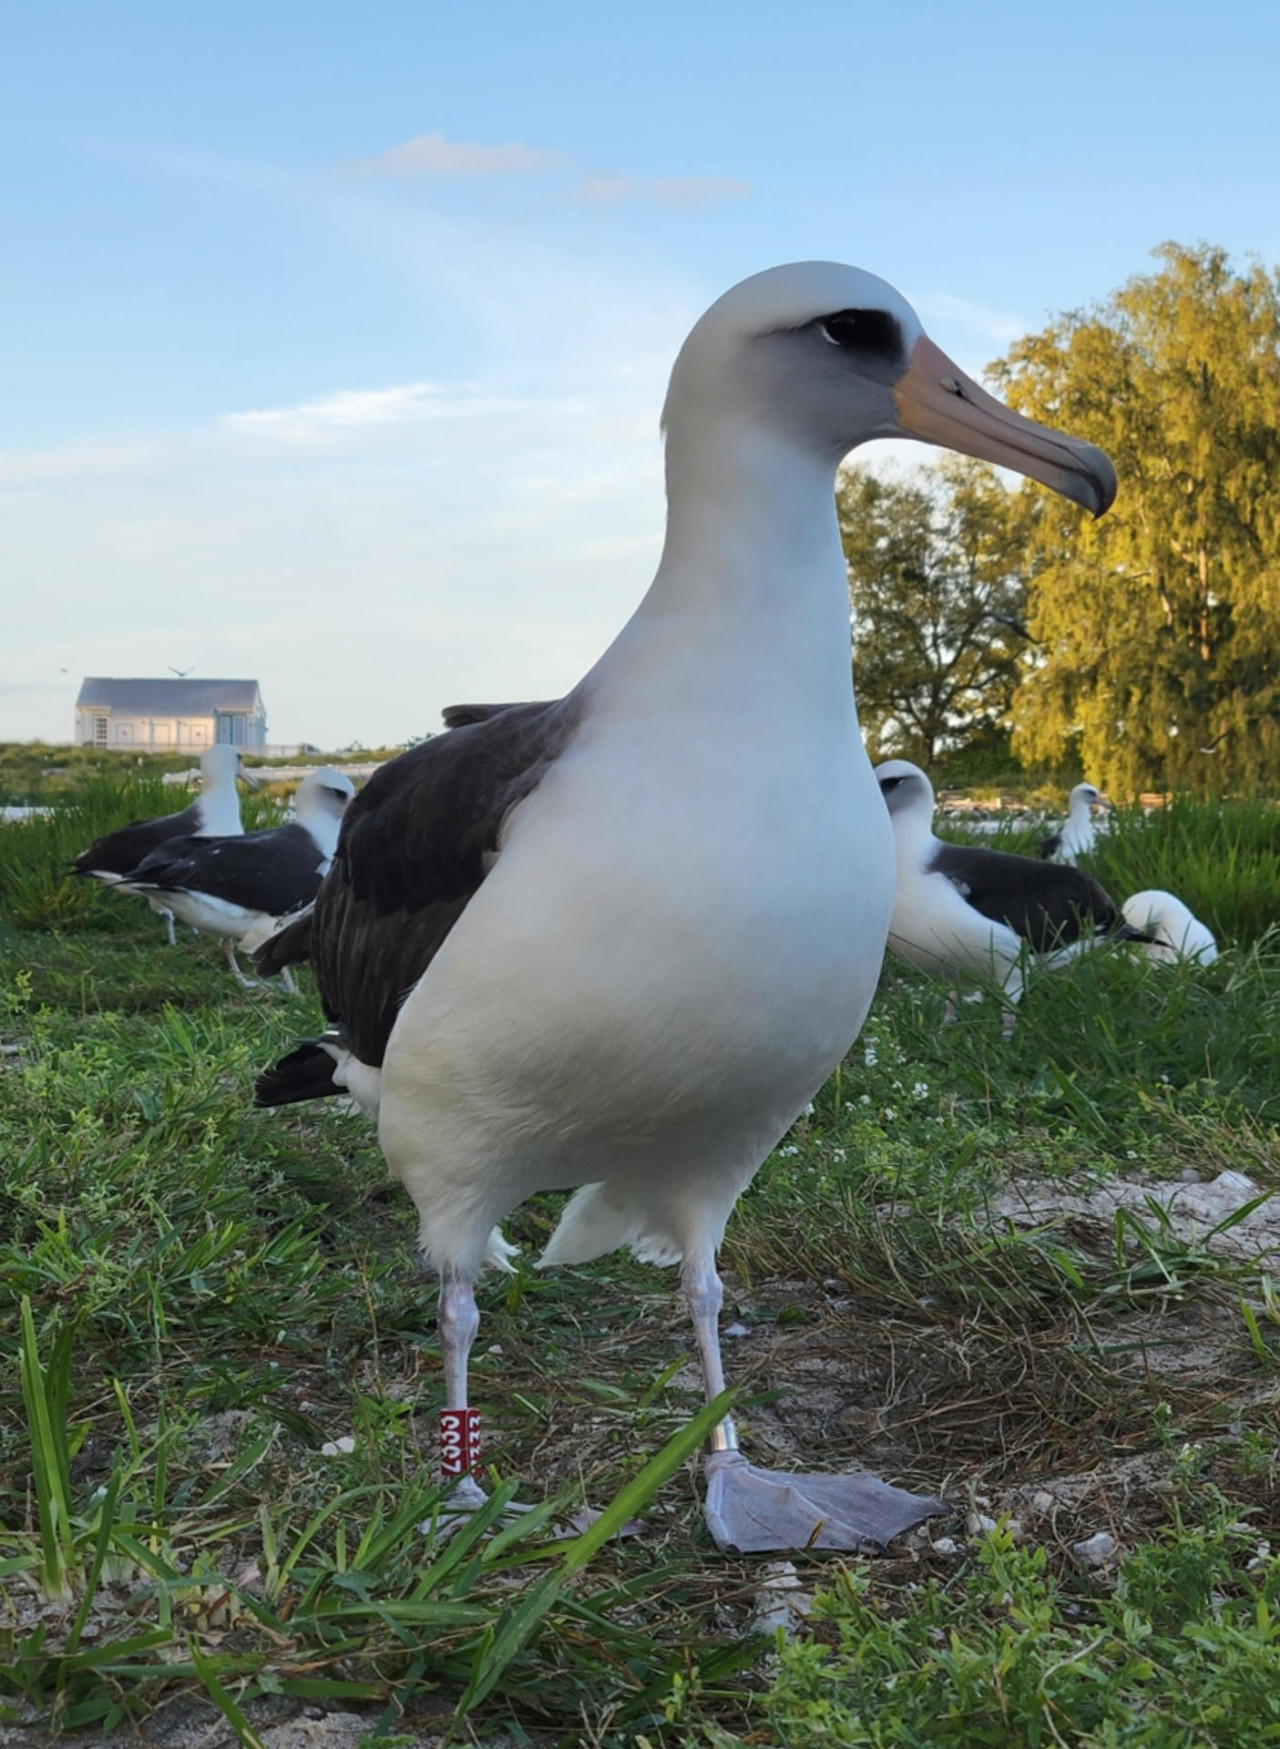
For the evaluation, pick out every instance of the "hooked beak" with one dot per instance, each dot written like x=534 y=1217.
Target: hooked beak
x=939 y=404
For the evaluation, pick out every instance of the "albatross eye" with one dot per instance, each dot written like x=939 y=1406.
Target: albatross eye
x=874 y=331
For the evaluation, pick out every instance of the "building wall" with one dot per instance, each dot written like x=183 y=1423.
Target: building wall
x=147 y=734
x=103 y=728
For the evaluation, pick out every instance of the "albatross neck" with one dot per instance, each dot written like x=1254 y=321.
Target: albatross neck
x=320 y=823
x=220 y=804
x=751 y=590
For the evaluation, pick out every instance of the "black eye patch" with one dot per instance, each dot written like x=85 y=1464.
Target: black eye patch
x=888 y=783
x=870 y=331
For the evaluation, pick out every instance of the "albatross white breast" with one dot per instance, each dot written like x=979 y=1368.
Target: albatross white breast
x=640 y=925
x=240 y=888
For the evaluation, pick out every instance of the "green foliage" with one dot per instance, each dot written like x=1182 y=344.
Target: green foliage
x=1185 y=1651
x=937 y=581
x=1158 y=627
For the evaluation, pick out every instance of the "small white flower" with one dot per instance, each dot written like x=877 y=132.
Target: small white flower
x=789 y=1153
x=889 y=1114
x=869 y=1057
x=864 y=1099
x=920 y=1090
x=1129 y=1154
x=838 y=1154
x=808 y=1110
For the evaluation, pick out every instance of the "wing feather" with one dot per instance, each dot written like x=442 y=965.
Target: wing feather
x=416 y=844
x=1047 y=905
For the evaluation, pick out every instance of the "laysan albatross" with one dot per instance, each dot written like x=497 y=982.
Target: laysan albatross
x=215 y=813
x=618 y=941
x=1174 y=931
x=241 y=888
x=962 y=909
x=1078 y=834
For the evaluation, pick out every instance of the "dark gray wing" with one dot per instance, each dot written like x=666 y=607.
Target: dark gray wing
x=118 y=852
x=1047 y=905
x=458 y=716
x=1049 y=847
x=275 y=872
x=416 y=843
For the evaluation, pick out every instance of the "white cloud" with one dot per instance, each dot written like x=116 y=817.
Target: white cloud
x=349 y=410
x=1000 y=326
x=670 y=191
x=433 y=155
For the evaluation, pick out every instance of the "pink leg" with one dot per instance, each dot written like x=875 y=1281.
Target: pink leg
x=458 y=1321
x=704 y=1296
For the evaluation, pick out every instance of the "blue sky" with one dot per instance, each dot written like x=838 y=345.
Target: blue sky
x=333 y=338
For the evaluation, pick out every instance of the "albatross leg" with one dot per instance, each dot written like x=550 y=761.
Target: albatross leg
x=168 y=928
x=288 y=980
x=229 y=954
x=756 y=1511
x=458 y=1321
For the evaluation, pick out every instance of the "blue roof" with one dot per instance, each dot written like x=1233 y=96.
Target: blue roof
x=168 y=698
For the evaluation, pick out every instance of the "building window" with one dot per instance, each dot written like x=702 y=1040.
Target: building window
x=100 y=731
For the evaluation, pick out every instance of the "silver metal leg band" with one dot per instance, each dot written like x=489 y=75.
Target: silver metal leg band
x=724 y=1436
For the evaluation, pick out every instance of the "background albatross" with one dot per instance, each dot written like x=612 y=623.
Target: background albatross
x=639 y=926
x=1077 y=834
x=240 y=888
x=962 y=908
x=214 y=813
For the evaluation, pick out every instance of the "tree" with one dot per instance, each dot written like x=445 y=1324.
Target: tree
x=938 y=592
x=1158 y=628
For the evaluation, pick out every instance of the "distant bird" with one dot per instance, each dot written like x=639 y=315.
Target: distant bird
x=1178 y=934
x=182 y=672
x=961 y=909
x=1078 y=834
x=214 y=813
x=240 y=888
x=619 y=940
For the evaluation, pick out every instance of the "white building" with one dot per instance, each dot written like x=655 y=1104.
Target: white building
x=157 y=715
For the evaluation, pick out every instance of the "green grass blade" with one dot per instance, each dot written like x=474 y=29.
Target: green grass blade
x=514 y=1631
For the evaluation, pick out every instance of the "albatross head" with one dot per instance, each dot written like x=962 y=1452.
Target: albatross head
x=221 y=764
x=323 y=791
x=907 y=792
x=830 y=357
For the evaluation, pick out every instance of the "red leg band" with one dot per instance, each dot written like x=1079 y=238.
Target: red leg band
x=459 y=1442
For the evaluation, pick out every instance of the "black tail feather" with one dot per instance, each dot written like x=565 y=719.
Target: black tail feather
x=289 y=946
x=306 y=1073
x=1127 y=932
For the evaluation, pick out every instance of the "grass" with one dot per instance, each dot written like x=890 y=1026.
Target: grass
x=40 y=773
x=197 y=1299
